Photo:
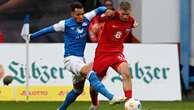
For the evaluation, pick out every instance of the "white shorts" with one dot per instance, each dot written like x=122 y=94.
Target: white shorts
x=74 y=65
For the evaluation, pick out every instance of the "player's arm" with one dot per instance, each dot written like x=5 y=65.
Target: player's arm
x=95 y=12
x=60 y=26
x=93 y=29
x=131 y=38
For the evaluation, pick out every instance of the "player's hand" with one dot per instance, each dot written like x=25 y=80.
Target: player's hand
x=135 y=24
x=109 y=13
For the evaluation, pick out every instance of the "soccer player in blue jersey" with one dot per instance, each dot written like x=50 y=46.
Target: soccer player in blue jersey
x=75 y=33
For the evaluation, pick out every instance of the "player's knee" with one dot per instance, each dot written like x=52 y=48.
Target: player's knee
x=126 y=76
x=85 y=70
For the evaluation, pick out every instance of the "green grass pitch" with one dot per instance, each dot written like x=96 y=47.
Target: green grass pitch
x=176 y=105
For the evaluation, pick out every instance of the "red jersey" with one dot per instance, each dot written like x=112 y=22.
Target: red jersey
x=113 y=34
x=94 y=28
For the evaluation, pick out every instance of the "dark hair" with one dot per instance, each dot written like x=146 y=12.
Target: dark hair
x=125 y=5
x=75 y=5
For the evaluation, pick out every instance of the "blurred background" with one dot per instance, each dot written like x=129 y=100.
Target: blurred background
x=162 y=24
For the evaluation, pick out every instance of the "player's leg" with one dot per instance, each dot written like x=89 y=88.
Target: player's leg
x=98 y=86
x=78 y=87
x=77 y=66
x=93 y=78
x=95 y=82
x=94 y=99
x=122 y=68
x=70 y=64
x=94 y=94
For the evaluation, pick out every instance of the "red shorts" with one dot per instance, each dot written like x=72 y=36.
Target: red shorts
x=104 y=60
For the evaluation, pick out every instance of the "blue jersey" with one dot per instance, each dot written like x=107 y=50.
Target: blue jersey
x=75 y=34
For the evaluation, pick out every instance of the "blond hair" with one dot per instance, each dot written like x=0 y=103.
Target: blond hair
x=125 y=5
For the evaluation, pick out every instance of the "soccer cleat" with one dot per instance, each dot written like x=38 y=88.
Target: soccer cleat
x=92 y=107
x=116 y=100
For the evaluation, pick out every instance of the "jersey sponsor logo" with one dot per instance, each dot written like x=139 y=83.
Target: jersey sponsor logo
x=80 y=36
x=80 y=30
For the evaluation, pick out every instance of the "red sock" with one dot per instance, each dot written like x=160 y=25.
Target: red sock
x=128 y=94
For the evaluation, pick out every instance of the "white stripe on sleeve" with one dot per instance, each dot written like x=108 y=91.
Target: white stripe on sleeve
x=90 y=15
x=60 y=26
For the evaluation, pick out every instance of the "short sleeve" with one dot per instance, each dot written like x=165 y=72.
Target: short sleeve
x=60 y=26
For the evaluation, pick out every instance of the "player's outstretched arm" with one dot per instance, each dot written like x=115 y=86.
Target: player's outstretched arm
x=60 y=26
x=95 y=12
x=42 y=32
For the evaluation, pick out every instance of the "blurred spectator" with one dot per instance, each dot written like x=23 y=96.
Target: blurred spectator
x=2 y=71
x=108 y=4
x=99 y=2
x=1 y=37
x=83 y=2
x=42 y=13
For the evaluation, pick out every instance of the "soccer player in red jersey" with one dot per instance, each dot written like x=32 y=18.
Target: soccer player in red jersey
x=109 y=52
x=96 y=25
